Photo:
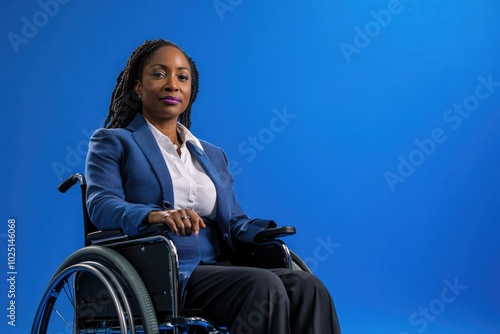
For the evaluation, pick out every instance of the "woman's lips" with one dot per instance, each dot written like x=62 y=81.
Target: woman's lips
x=170 y=100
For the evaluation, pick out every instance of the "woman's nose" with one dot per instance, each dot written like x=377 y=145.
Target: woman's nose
x=171 y=83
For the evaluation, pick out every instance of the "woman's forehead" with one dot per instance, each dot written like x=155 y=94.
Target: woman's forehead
x=168 y=54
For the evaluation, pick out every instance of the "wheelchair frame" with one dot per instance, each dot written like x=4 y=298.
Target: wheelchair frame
x=129 y=302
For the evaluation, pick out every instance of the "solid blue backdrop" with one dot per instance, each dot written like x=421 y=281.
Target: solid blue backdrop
x=369 y=125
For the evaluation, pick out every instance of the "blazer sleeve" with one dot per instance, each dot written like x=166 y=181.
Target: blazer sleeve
x=242 y=228
x=106 y=198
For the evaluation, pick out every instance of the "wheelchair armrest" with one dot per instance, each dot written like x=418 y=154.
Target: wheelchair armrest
x=107 y=236
x=100 y=237
x=153 y=229
x=267 y=254
x=274 y=233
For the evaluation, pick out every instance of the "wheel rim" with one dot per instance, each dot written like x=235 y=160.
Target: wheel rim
x=58 y=310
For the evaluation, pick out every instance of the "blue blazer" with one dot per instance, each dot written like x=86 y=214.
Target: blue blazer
x=127 y=178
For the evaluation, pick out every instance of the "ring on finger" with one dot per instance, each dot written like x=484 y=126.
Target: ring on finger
x=185 y=217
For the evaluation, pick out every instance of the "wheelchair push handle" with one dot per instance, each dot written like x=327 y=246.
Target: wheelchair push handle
x=71 y=181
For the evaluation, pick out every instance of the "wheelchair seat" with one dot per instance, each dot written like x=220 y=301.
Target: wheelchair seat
x=123 y=284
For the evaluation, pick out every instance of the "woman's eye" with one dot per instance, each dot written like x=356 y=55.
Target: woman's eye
x=183 y=77
x=158 y=74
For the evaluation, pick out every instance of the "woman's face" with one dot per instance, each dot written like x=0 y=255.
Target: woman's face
x=165 y=85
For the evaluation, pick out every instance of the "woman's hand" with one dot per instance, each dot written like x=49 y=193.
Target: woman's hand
x=182 y=221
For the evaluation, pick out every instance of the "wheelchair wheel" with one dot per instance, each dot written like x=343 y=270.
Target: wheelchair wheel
x=298 y=263
x=95 y=290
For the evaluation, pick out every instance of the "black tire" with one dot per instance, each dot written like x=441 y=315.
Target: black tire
x=118 y=268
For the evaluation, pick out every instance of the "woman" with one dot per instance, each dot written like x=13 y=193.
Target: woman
x=146 y=167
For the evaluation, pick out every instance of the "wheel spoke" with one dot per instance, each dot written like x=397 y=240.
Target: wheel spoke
x=64 y=320
x=89 y=294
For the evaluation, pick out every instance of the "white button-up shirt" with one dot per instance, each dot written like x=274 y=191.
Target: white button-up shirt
x=193 y=189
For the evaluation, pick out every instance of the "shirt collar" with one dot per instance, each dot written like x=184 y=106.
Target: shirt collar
x=183 y=132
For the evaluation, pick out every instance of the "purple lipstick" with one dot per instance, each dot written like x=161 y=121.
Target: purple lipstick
x=172 y=100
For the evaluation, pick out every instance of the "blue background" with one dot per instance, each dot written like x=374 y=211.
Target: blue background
x=387 y=223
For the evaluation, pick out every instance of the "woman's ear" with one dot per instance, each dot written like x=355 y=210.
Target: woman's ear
x=138 y=88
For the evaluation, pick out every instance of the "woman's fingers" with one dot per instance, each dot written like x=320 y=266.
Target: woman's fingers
x=167 y=220
x=183 y=221
x=196 y=222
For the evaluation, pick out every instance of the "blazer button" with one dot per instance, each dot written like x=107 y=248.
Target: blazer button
x=166 y=205
x=226 y=236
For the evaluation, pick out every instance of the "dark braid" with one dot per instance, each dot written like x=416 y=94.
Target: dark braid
x=125 y=104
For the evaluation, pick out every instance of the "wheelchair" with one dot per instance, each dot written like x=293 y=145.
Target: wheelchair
x=123 y=284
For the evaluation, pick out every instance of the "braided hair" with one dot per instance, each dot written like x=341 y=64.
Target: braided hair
x=125 y=104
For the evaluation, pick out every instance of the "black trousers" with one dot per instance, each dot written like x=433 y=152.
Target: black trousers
x=252 y=300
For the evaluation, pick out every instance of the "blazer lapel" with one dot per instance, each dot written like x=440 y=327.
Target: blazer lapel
x=147 y=143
